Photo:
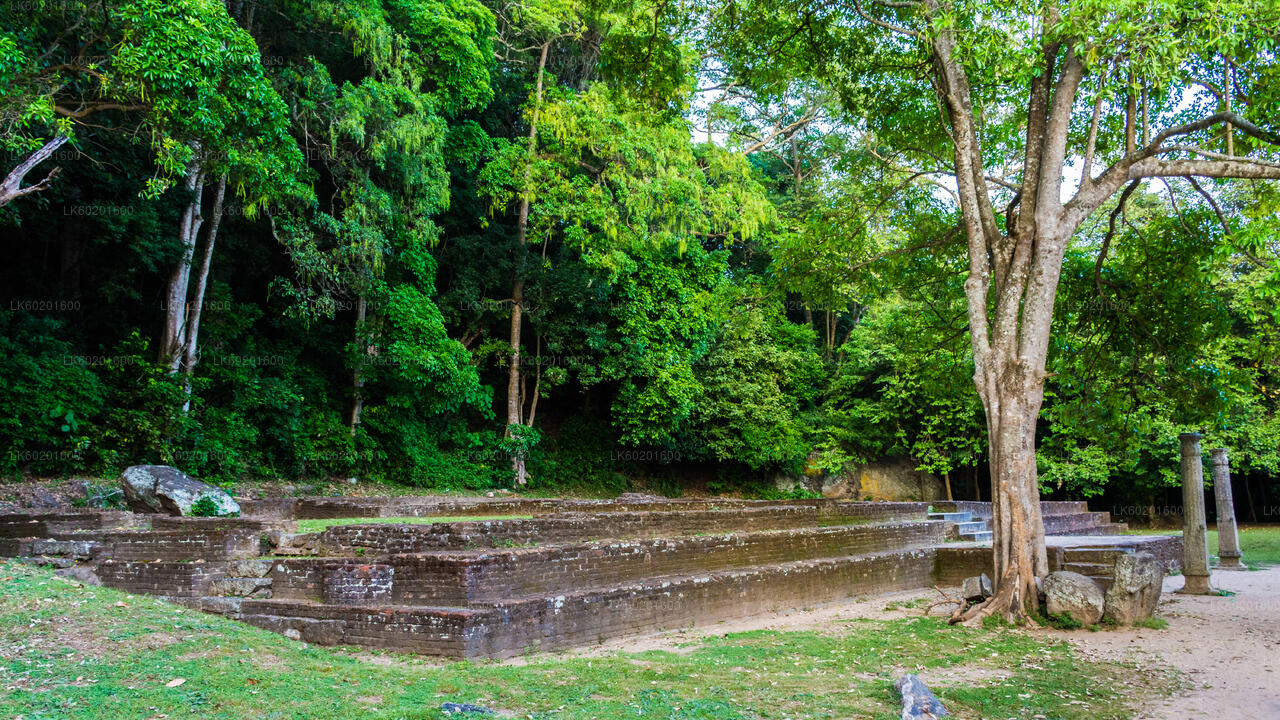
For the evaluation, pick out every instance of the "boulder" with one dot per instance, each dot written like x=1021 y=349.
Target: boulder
x=976 y=589
x=918 y=702
x=80 y=573
x=1069 y=593
x=1135 y=588
x=164 y=489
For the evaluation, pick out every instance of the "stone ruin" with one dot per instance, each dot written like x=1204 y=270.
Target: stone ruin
x=572 y=573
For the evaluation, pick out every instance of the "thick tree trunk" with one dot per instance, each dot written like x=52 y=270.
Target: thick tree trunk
x=1017 y=526
x=190 y=351
x=173 y=336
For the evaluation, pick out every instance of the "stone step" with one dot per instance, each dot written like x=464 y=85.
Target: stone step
x=387 y=538
x=969 y=528
x=952 y=517
x=984 y=536
x=382 y=507
x=461 y=578
x=586 y=617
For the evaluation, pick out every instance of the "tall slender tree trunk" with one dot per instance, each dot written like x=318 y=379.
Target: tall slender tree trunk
x=190 y=351
x=357 y=376
x=173 y=336
x=515 y=403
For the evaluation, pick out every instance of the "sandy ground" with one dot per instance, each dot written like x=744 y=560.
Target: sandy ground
x=1228 y=648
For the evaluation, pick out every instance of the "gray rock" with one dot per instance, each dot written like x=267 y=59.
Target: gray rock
x=242 y=587
x=976 y=588
x=80 y=573
x=451 y=708
x=917 y=700
x=1135 y=588
x=79 y=549
x=164 y=489
x=252 y=568
x=1069 y=593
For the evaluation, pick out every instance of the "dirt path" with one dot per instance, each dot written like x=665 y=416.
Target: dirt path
x=1229 y=648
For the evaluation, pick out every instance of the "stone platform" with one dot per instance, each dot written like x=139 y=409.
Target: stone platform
x=567 y=573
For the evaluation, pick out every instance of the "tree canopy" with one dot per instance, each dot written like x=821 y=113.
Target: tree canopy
x=600 y=245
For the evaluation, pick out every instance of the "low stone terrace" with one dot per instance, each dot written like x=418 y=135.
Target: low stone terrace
x=564 y=573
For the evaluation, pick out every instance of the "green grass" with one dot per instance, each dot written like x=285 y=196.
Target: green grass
x=77 y=653
x=1259 y=543
x=319 y=524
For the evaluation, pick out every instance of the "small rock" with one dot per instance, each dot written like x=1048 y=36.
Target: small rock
x=1135 y=588
x=976 y=588
x=450 y=708
x=1073 y=594
x=917 y=700
x=165 y=489
x=292 y=634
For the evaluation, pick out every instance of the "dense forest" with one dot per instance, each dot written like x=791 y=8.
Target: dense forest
x=587 y=245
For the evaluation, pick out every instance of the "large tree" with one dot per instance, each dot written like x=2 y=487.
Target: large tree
x=1039 y=113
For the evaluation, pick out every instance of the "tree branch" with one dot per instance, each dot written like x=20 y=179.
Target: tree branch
x=11 y=188
x=1111 y=231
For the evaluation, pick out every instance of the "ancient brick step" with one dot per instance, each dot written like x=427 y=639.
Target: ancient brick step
x=587 y=617
x=478 y=576
x=182 y=545
x=330 y=507
x=47 y=524
x=952 y=517
x=409 y=538
x=983 y=509
x=172 y=579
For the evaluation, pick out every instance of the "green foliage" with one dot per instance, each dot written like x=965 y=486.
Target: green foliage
x=705 y=679
x=205 y=506
x=783 y=297
x=1059 y=621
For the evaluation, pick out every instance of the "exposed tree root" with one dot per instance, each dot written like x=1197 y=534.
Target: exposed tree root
x=1011 y=601
x=946 y=600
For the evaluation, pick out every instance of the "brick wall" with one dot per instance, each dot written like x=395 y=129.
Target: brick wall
x=589 y=617
x=167 y=522
x=349 y=507
x=177 y=545
x=493 y=576
x=175 y=579
x=359 y=583
x=395 y=539
x=45 y=524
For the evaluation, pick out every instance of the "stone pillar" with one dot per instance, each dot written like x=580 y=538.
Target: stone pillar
x=1228 y=538
x=1195 y=538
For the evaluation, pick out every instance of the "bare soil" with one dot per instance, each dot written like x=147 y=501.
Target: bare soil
x=1227 y=646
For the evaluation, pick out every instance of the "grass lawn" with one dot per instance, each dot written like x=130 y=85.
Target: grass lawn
x=73 y=652
x=319 y=524
x=1259 y=543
